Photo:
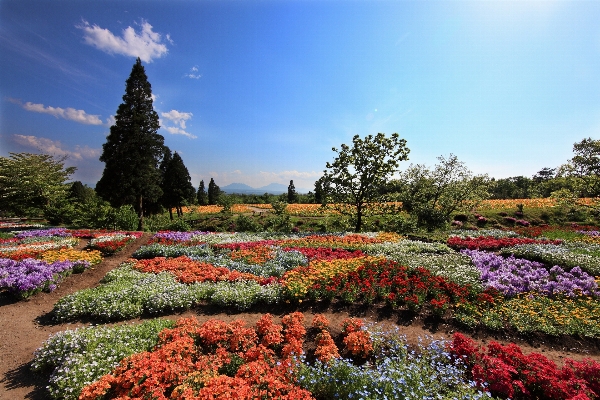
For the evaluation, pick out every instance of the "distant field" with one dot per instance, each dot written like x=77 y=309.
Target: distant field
x=318 y=210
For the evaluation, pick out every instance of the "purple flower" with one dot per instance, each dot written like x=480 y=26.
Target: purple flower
x=512 y=276
x=177 y=236
x=62 y=232
x=30 y=275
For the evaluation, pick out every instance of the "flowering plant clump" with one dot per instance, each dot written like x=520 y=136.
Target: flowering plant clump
x=60 y=232
x=33 y=247
x=93 y=257
x=505 y=371
x=27 y=277
x=174 y=237
x=553 y=254
x=114 y=242
x=188 y=271
x=209 y=361
x=513 y=275
x=77 y=358
x=384 y=280
x=492 y=243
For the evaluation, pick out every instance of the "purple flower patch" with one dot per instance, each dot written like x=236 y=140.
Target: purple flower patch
x=512 y=276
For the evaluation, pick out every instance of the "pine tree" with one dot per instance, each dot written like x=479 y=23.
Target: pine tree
x=133 y=149
x=202 y=197
x=292 y=196
x=213 y=192
x=177 y=185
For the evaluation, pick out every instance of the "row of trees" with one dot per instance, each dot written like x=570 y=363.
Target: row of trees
x=142 y=175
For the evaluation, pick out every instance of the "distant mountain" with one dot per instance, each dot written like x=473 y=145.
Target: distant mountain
x=272 y=188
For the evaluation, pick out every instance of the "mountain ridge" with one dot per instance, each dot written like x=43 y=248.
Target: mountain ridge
x=271 y=188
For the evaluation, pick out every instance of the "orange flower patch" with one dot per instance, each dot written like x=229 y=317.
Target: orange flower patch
x=187 y=270
x=253 y=255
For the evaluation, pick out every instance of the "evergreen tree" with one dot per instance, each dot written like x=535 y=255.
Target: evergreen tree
x=177 y=185
x=213 y=192
x=202 y=197
x=133 y=149
x=292 y=196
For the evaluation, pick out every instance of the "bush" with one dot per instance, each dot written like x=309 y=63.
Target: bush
x=247 y=224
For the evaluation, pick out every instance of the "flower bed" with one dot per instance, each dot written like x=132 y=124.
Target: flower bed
x=29 y=276
x=113 y=242
x=239 y=271
x=493 y=243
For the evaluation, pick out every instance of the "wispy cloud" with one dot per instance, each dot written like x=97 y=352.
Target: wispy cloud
x=193 y=74
x=173 y=130
x=68 y=113
x=147 y=44
x=38 y=55
x=178 y=118
x=55 y=147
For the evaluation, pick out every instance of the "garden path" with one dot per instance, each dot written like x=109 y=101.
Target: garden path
x=24 y=325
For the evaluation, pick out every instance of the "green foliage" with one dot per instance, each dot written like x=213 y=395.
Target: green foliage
x=213 y=192
x=133 y=149
x=584 y=167
x=432 y=196
x=226 y=201
x=179 y=225
x=279 y=207
x=29 y=183
x=246 y=224
x=292 y=196
x=176 y=184
x=201 y=195
x=358 y=173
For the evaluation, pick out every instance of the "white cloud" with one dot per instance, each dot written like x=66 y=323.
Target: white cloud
x=110 y=121
x=146 y=44
x=55 y=147
x=66 y=113
x=173 y=130
x=193 y=74
x=177 y=117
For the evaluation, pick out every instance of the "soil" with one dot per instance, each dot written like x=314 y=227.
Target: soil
x=25 y=325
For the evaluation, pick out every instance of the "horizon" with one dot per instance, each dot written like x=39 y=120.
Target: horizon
x=258 y=92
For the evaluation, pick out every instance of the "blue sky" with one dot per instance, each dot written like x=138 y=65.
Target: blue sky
x=260 y=91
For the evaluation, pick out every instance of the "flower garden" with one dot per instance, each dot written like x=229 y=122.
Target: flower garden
x=525 y=282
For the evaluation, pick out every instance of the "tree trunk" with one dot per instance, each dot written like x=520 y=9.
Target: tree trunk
x=141 y=214
x=171 y=213
x=358 y=219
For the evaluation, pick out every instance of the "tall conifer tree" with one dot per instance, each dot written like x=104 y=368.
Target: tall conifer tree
x=177 y=185
x=213 y=192
x=202 y=197
x=133 y=149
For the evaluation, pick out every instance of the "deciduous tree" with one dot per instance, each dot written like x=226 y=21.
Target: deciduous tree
x=133 y=149
x=29 y=183
x=358 y=173
x=433 y=195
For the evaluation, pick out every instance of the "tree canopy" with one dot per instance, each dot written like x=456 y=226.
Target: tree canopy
x=30 y=182
x=214 y=192
x=358 y=173
x=133 y=149
x=177 y=185
x=432 y=195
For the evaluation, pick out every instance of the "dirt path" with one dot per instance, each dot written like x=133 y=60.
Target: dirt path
x=24 y=325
